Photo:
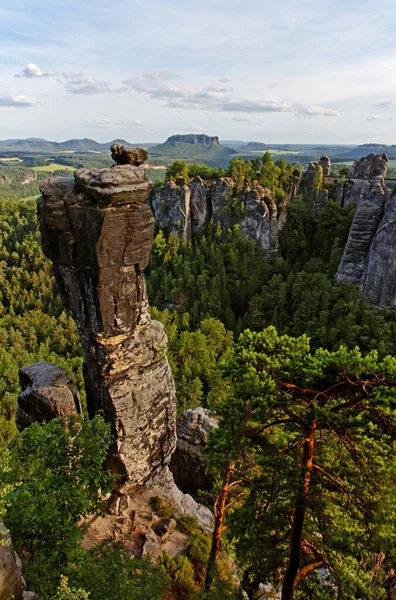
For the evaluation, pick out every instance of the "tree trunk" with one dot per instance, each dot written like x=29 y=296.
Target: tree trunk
x=218 y=525
x=293 y=566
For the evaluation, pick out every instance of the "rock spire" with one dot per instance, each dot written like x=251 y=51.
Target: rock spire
x=97 y=230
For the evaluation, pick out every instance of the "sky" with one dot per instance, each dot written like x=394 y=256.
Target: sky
x=290 y=71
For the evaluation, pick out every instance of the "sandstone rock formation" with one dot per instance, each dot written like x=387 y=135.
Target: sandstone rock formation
x=171 y=206
x=378 y=283
x=187 y=464
x=11 y=582
x=310 y=185
x=325 y=163
x=184 y=210
x=124 y=155
x=201 y=208
x=369 y=257
x=369 y=166
x=364 y=226
x=98 y=232
x=47 y=391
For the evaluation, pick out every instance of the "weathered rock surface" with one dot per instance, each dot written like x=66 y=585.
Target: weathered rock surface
x=369 y=257
x=325 y=163
x=171 y=205
x=187 y=463
x=184 y=210
x=201 y=208
x=47 y=392
x=364 y=226
x=370 y=166
x=124 y=155
x=98 y=232
x=378 y=282
x=310 y=182
x=11 y=582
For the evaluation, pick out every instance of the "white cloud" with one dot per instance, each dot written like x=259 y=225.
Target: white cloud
x=215 y=98
x=211 y=98
x=307 y=112
x=78 y=83
x=108 y=124
x=18 y=101
x=378 y=118
x=385 y=105
x=240 y=119
x=31 y=70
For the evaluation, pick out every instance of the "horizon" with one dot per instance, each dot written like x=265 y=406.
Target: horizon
x=221 y=141
x=290 y=72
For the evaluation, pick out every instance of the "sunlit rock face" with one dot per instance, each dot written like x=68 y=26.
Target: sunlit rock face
x=98 y=230
x=184 y=210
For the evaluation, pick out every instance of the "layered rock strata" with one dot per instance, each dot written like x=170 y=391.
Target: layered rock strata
x=98 y=229
x=184 y=210
x=47 y=392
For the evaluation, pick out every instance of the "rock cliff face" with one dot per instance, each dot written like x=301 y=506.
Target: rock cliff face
x=357 y=187
x=187 y=464
x=97 y=229
x=184 y=210
x=378 y=282
x=46 y=392
x=364 y=226
x=369 y=257
x=191 y=138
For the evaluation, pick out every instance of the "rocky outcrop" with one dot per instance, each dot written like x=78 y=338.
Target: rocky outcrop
x=171 y=205
x=185 y=210
x=325 y=163
x=364 y=226
x=369 y=166
x=378 y=283
x=369 y=257
x=124 y=155
x=201 y=208
x=47 y=392
x=187 y=463
x=259 y=221
x=11 y=581
x=310 y=184
x=98 y=229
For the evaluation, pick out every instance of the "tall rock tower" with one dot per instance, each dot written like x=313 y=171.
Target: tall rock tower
x=98 y=230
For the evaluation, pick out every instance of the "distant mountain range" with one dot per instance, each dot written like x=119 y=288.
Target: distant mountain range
x=39 y=145
x=365 y=149
x=192 y=147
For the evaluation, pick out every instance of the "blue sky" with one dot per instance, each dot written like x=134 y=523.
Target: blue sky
x=298 y=71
